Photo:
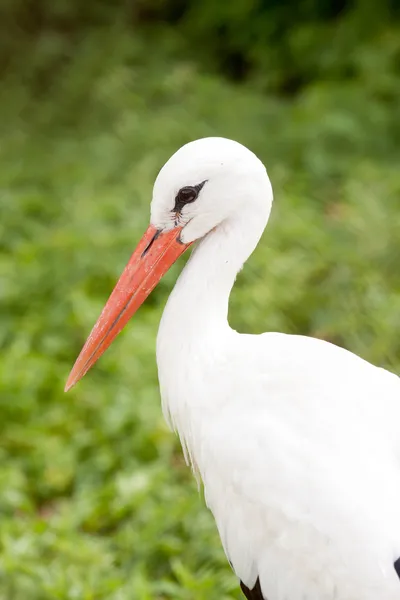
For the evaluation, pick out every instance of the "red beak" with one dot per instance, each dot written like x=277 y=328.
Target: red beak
x=155 y=253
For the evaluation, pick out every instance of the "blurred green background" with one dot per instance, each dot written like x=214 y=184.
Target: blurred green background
x=95 y=499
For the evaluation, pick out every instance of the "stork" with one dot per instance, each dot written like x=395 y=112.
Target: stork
x=296 y=440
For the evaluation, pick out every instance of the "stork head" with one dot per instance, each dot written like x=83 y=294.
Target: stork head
x=205 y=183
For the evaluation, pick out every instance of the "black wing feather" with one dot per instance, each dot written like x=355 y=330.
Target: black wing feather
x=255 y=593
x=397 y=567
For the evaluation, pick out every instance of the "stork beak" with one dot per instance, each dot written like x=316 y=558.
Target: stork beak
x=155 y=253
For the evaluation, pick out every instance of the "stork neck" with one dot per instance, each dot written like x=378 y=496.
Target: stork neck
x=199 y=302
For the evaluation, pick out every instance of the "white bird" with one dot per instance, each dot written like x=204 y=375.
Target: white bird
x=296 y=440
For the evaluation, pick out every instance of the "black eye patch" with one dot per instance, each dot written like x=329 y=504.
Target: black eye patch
x=186 y=195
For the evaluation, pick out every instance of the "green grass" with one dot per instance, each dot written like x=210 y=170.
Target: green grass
x=95 y=499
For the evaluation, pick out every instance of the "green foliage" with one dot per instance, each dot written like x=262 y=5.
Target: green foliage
x=284 y=45
x=280 y=45
x=95 y=499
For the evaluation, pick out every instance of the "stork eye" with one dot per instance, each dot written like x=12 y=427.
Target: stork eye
x=186 y=195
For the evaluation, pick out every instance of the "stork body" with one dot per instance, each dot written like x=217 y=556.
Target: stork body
x=296 y=440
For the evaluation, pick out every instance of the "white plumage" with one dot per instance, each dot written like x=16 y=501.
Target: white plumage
x=296 y=440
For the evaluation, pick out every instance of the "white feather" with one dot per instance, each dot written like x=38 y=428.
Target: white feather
x=296 y=440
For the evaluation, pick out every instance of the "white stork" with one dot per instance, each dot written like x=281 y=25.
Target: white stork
x=296 y=440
